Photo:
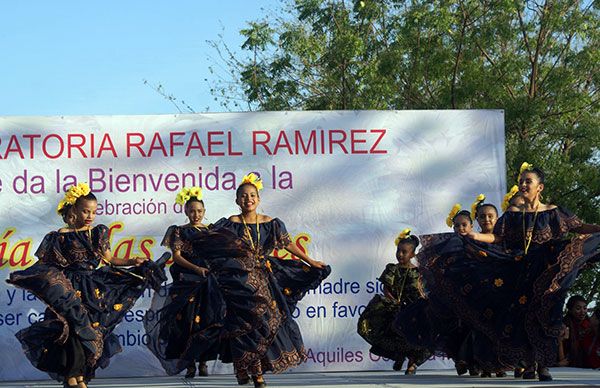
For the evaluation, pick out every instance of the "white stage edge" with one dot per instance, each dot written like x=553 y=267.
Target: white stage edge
x=563 y=377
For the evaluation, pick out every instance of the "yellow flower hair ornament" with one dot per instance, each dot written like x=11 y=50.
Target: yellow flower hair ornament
x=188 y=193
x=524 y=167
x=455 y=209
x=76 y=191
x=478 y=201
x=508 y=196
x=254 y=180
x=402 y=236
x=61 y=206
x=80 y=190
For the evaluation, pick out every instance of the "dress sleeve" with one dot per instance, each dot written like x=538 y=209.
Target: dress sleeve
x=281 y=236
x=172 y=238
x=499 y=228
x=554 y=225
x=565 y=221
x=388 y=276
x=103 y=238
x=222 y=223
x=549 y=225
x=49 y=250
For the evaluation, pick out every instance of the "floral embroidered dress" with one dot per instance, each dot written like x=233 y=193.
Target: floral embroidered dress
x=511 y=295
x=185 y=326
x=260 y=293
x=84 y=302
x=375 y=324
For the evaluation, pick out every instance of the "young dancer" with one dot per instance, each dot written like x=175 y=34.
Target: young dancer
x=184 y=328
x=475 y=342
x=402 y=287
x=84 y=303
x=260 y=291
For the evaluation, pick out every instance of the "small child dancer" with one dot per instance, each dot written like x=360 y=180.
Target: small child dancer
x=402 y=287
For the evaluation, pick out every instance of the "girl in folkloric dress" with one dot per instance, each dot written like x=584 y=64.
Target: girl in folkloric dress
x=486 y=215
x=190 y=318
x=84 y=303
x=402 y=287
x=260 y=291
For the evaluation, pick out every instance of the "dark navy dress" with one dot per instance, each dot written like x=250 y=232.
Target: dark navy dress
x=375 y=324
x=185 y=321
x=84 y=303
x=260 y=293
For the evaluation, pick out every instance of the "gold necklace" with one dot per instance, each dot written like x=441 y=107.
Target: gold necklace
x=402 y=286
x=88 y=230
x=247 y=230
x=528 y=232
x=198 y=228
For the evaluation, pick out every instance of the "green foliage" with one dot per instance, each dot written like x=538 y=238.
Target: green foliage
x=537 y=60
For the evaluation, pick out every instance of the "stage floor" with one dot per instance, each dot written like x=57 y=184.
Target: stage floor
x=563 y=377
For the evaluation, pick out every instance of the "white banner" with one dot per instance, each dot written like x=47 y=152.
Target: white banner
x=344 y=182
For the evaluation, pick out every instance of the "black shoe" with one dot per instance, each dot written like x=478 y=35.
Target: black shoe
x=529 y=373
x=259 y=382
x=486 y=374
x=461 y=368
x=398 y=365
x=519 y=372
x=190 y=372
x=544 y=374
x=202 y=369
x=474 y=371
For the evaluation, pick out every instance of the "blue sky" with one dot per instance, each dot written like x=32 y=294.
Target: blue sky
x=83 y=57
